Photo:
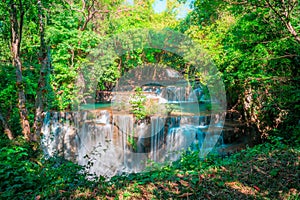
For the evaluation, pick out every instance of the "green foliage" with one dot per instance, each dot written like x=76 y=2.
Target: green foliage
x=131 y=141
x=24 y=176
x=69 y=48
x=29 y=54
x=8 y=97
x=214 y=176
x=172 y=107
x=137 y=102
x=257 y=60
x=17 y=172
x=256 y=54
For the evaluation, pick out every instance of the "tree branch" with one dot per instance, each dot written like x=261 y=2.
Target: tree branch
x=7 y=130
x=279 y=57
x=285 y=21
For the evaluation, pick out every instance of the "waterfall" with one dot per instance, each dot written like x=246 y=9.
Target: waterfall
x=196 y=95
x=124 y=123
x=96 y=149
x=174 y=93
x=59 y=135
x=157 y=133
x=108 y=144
x=47 y=139
x=197 y=143
x=174 y=121
x=178 y=140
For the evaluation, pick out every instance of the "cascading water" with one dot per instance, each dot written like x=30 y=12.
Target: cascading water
x=94 y=138
x=196 y=95
x=157 y=133
x=174 y=93
x=126 y=142
x=178 y=139
x=59 y=135
x=113 y=144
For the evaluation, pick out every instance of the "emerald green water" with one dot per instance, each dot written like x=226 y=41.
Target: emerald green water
x=188 y=107
x=95 y=106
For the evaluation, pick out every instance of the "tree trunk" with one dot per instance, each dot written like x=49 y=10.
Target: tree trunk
x=7 y=130
x=15 y=51
x=44 y=72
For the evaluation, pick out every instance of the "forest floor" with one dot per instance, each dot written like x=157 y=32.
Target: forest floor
x=265 y=171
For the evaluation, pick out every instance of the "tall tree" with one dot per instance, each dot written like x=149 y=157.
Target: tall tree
x=16 y=20
x=44 y=72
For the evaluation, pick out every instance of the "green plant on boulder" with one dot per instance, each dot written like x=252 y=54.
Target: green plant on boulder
x=131 y=142
x=172 y=108
x=137 y=102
